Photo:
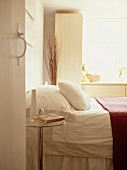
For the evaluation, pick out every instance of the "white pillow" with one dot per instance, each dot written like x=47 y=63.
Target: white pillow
x=75 y=95
x=49 y=98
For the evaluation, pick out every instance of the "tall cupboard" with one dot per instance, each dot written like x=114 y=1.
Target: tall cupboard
x=68 y=31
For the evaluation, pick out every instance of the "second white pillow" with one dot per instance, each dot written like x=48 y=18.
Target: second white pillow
x=75 y=95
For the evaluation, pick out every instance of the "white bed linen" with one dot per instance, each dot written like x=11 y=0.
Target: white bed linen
x=88 y=136
x=90 y=127
x=83 y=144
x=76 y=163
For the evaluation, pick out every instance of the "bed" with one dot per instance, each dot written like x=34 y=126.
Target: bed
x=85 y=142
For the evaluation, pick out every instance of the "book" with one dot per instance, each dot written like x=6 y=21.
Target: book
x=48 y=118
x=38 y=123
x=57 y=123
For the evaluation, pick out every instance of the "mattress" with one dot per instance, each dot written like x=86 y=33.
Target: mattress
x=89 y=135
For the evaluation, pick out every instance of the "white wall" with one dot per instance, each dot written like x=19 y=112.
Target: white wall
x=34 y=54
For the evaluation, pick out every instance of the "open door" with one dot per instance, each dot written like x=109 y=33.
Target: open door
x=12 y=87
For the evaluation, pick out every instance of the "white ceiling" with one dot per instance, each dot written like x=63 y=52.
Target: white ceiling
x=53 y=5
x=90 y=8
x=63 y=4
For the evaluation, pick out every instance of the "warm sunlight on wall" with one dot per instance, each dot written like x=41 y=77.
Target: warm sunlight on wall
x=34 y=37
x=105 y=47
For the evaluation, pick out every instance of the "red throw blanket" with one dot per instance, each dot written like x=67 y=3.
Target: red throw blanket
x=117 y=107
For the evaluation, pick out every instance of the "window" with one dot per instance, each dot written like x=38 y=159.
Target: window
x=105 y=48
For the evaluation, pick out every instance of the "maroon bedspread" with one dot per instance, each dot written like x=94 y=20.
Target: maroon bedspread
x=117 y=107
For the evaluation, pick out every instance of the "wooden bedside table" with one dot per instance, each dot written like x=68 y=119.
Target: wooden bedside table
x=34 y=136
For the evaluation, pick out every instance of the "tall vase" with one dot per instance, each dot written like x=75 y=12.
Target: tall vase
x=33 y=108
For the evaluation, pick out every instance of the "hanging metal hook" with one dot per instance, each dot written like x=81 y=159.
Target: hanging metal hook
x=24 y=41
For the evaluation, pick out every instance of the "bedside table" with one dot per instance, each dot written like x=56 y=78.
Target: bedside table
x=34 y=136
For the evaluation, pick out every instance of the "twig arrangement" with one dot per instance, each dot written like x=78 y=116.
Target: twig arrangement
x=52 y=57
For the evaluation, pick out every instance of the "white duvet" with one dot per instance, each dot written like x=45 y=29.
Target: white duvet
x=90 y=127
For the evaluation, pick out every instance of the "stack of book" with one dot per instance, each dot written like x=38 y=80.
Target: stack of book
x=49 y=119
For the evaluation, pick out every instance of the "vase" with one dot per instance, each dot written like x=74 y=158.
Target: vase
x=33 y=107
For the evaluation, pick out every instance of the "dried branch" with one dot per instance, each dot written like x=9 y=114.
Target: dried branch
x=52 y=57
